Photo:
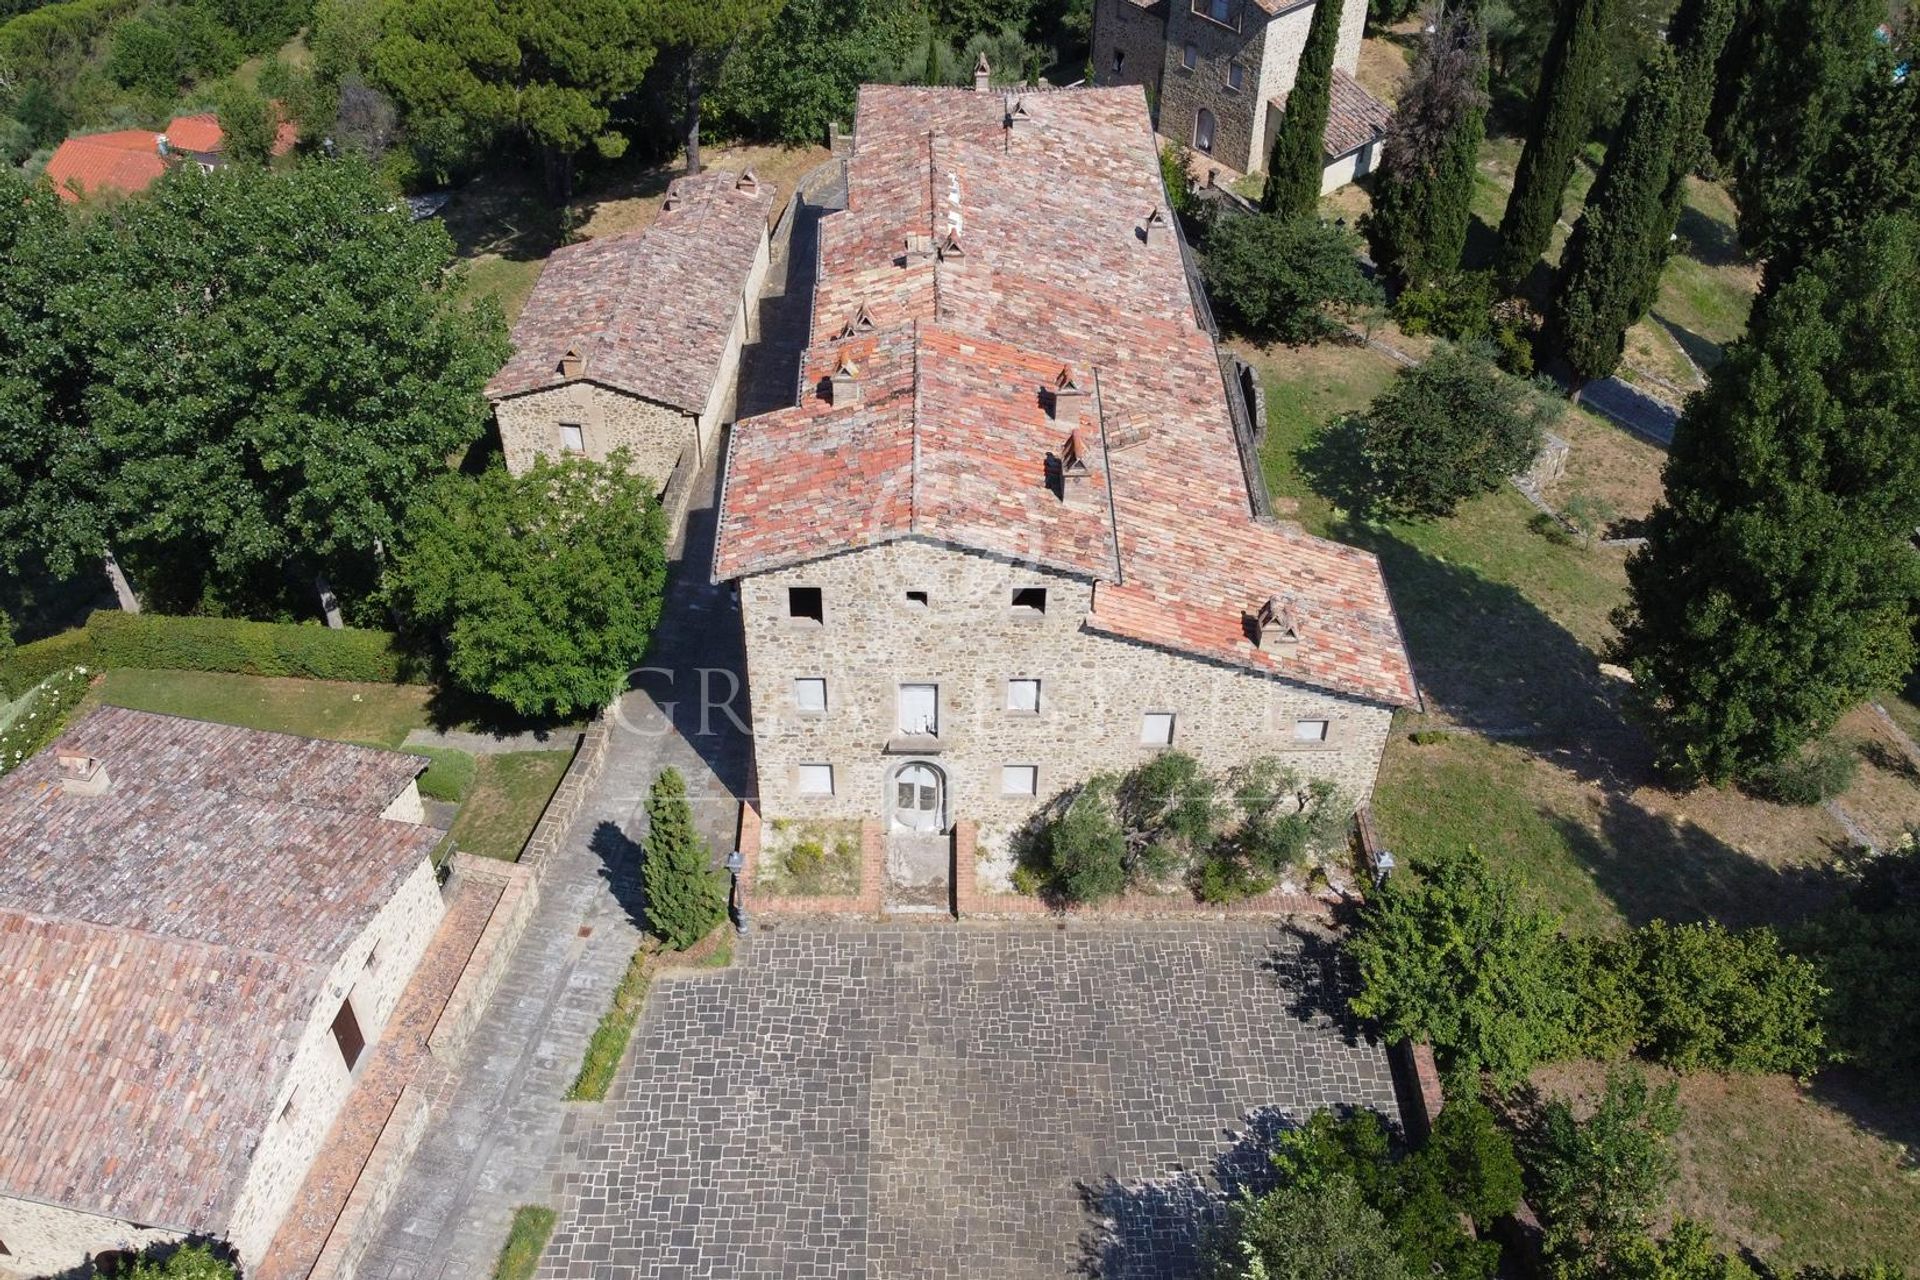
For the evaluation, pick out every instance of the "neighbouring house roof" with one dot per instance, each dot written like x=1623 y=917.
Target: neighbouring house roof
x=163 y=945
x=1354 y=116
x=647 y=312
x=976 y=264
x=129 y=160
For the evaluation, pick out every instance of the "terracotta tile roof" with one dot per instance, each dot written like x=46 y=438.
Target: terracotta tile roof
x=1045 y=266
x=163 y=944
x=125 y=160
x=1354 y=116
x=648 y=311
x=194 y=133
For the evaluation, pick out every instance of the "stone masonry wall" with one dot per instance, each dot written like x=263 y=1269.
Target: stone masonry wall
x=1094 y=690
x=1184 y=92
x=1286 y=40
x=1140 y=35
x=318 y=1081
x=655 y=434
x=43 y=1239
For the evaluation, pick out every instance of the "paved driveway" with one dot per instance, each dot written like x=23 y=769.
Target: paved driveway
x=1021 y=1101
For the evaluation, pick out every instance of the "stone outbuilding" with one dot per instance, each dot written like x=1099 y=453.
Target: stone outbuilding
x=1005 y=539
x=1219 y=71
x=633 y=341
x=203 y=929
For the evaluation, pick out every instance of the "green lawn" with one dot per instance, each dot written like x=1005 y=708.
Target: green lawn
x=510 y=792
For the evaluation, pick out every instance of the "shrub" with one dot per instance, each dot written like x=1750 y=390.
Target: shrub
x=1291 y=279
x=1867 y=952
x=27 y=665
x=1808 y=777
x=43 y=717
x=1318 y=1229
x=1444 y=431
x=1084 y=851
x=1458 y=306
x=806 y=862
x=1725 y=999
x=1428 y=737
x=1597 y=1183
x=686 y=897
x=158 y=642
x=1175 y=178
x=188 y=1262
x=450 y=775
x=1223 y=877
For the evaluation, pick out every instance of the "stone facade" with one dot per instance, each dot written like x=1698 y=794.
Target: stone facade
x=41 y=1239
x=969 y=641
x=370 y=975
x=1265 y=42
x=655 y=435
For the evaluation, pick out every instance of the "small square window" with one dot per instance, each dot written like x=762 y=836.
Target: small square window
x=1236 y=76
x=1019 y=779
x=1190 y=56
x=810 y=693
x=572 y=438
x=1119 y=60
x=814 y=779
x=917 y=600
x=805 y=604
x=1023 y=695
x=1030 y=600
x=1156 y=729
x=1310 y=730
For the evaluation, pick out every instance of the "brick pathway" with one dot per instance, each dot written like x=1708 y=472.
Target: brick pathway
x=1017 y=1101
x=392 y=1064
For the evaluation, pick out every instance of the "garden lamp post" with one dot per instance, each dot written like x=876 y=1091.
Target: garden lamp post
x=736 y=863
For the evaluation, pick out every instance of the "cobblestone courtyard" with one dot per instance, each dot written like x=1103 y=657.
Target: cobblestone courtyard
x=913 y=1101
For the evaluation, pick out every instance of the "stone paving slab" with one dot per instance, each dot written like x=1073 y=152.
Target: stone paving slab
x=1007 y=1101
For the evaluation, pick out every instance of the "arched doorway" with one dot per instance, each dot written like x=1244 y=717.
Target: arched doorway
x=917 y=798
x=1203 y=131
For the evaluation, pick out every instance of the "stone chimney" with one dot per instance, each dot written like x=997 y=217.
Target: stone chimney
x=950 y=246
x=572 y=364
x=860 y=322
x=161 y=146
x=1158 y=229
x=1019 y=119
x=80 y=773
x=982 y=74
x=747 y=184
x=1076 y=477
x=844 y=385
x=1067 y=394
x=1276 y=627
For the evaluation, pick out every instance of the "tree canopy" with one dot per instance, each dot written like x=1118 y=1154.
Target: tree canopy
x=543 y=588
x=1294 y=279
x=1298 y=157
x=686 y=897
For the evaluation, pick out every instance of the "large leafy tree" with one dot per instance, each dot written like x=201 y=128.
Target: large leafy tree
x=789 y=81
x=1453 y=954
x=255 y=374
x=1422 y=199
x=549 y=69
x=686 y=897
x=1777 y=586
x=1318 y=1229
x=707 y=31
x=1294 y=279
x=544 y=588
x=1787 y=79
x=1563 y=111
x=1298 y=157
x=1597 y=1183
x=1610 y=272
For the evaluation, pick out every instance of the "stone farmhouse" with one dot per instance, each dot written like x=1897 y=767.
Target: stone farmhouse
x=202 y=928
x=1004 y=539
x=633 y=341
x=1219 y=72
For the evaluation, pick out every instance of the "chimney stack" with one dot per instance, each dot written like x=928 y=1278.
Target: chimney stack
x=572 y=364
x=747 y=183
x=845 y=383
x=1276 y=627
x=1157 y=227
x=1076 y=477
x=1067 y=393
x=80 y=774
x=982 y=74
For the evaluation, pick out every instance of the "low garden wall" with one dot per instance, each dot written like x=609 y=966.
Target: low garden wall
x=355 y=1230
x=487 y=965
x=865 y=902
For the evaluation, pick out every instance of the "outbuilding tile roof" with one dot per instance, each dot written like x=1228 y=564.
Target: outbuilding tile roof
x=990 y=243
x=648 y=312
x=1354 y=116
x=163 y=944
x=124 y=160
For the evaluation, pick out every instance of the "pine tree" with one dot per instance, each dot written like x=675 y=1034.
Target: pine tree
x=686 y=898
x=1298 y=157
x=1422 y=200
x=1562 y=113
x=1789 y=80
x=1777 y=585
x=1610 y=272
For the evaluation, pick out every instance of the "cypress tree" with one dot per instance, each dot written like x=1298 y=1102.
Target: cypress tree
x=1298 y=157
x=1563 y=109
x=686 y=898
x=1777 y=586
x=1422 y=200
x=1790 y=80
x=1610 y=272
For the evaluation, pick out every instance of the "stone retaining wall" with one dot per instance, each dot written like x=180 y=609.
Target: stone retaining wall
x=357 y=1226
x=519 y=894
x=589 y=758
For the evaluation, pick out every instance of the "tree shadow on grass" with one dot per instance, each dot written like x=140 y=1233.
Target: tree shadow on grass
x=1704 y=352
x=1885 y=1107
x=1652 y=866
x=1707 y=240
x=1482 y=247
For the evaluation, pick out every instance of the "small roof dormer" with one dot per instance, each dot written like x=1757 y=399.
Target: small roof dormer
x=859 y=322
x=1276 y=626
x=747 y=183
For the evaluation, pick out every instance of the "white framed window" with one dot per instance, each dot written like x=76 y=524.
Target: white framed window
x=1023 y=694
x=810 y=693
x=1019 y=779
x=1190 y=56
x=1236 y=76
x=1156 y=729
x=813 y=779
x=572 y=438
x=920 y=710
x=1311 y=730
x=1203 y=131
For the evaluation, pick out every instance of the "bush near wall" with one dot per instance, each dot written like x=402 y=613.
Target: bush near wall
x=42 y=719
x=157 y=642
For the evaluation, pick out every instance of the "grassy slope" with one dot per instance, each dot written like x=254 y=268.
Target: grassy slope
x=509 y=794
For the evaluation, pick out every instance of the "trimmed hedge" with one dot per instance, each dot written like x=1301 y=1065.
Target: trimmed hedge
x=156 y=642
